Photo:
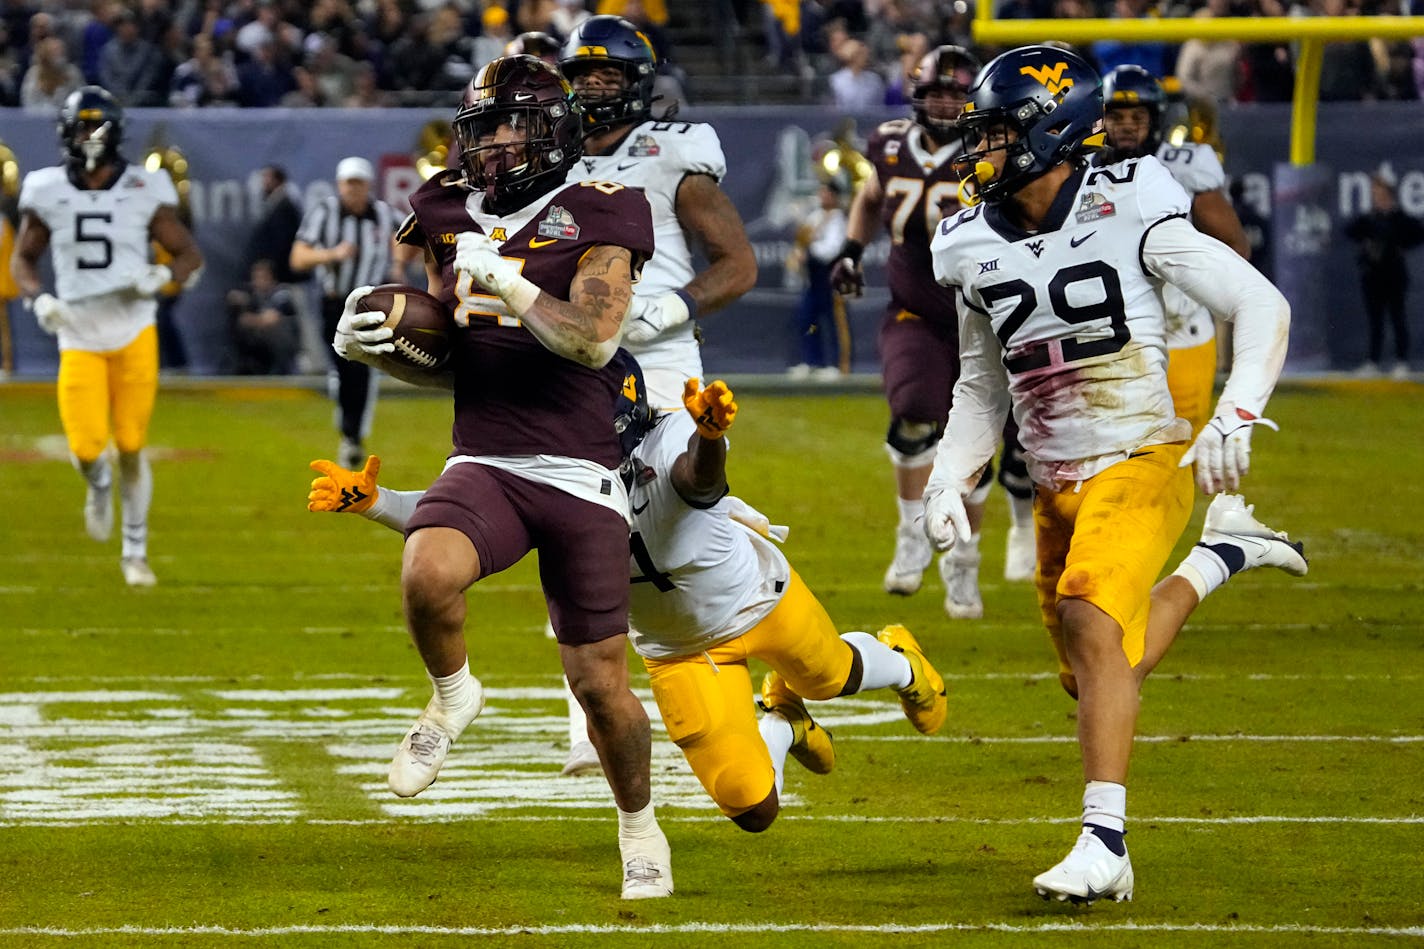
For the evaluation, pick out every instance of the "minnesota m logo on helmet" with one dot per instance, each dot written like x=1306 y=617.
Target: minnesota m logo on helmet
x=1050 y=77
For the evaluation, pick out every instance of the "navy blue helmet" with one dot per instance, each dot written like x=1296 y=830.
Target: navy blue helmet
x=633 y=417
x=1041 y=106
x=1128 y=86
x=612 y=41
x=91 y=128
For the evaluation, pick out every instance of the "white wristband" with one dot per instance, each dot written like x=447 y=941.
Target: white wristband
x=520 y=296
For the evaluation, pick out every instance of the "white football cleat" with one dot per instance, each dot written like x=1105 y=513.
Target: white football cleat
x=99 y=511
x=137 y=573
x=1229 y=521
x=582 y=760
x=647 y=867
x=959 y=568
x=1020 y=554
x=913 y=554
x=1090 y=872
x=423 y=749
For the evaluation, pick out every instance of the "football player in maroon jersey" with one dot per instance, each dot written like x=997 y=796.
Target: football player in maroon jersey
x=538 y=273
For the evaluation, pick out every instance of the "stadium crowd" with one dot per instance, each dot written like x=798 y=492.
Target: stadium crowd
x=367 y=53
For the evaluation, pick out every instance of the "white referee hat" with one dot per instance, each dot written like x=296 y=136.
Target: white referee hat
x=354 y=168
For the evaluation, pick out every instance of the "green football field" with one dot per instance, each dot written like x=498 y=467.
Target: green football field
x=203 y=763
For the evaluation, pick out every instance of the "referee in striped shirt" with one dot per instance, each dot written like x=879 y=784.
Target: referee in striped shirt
x=348 y=239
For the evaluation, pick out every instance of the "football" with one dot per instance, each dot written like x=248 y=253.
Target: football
x=421 y=323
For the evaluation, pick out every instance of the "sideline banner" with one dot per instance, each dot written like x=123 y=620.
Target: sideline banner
x=770 y=179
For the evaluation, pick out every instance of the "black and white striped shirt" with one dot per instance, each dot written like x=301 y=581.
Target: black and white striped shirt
x=327 y=224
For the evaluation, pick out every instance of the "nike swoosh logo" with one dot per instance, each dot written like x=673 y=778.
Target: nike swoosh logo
x=1075 y=241
x=627 y=166
x=640 y=510
x=535 y=243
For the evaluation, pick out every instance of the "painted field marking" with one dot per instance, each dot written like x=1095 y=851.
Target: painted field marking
x=1048 y=926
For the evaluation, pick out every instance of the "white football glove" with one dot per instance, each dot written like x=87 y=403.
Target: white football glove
x=151 y=279
x=649 y=316
x=1222 y=452
x=946 y=520
x=360 y=336
x=477 y=255
x=51 y=313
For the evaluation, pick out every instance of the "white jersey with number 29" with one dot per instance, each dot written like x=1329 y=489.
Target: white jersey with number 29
x=1065 y=324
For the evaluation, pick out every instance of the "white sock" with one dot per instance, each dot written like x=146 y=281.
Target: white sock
x=1105 y=804
x=136 y=494
x=95 y=472
x=964 y=550
x=635 y=824
x=578 y=719
x=911 y=510
x=776 y=732
x=457 y=689
x=1021 y=511
x=1204 y=569
x=880 y=666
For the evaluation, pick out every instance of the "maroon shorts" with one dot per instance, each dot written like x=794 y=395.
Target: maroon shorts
x=919 y=364
x=583 y=547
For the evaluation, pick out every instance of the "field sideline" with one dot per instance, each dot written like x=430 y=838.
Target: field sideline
x=202 y=764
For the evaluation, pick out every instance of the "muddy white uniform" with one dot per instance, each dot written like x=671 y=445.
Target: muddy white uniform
x=1067 y=322
x=698 y=577
x=99 y=241
x=654 y=157
x=1197 y=169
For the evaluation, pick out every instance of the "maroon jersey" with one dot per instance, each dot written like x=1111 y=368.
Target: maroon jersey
x=920 y=187
x=512 y=395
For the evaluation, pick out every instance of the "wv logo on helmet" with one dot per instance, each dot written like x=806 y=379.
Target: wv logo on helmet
x=1050 y=77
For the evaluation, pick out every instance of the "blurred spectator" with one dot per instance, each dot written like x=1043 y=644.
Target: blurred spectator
x=132 y=68
x=10 y=69
x=332 y=70
x=208 y=78
x=262 y=325
x=1206 y=69
x=782 y=23
x=536 y=16
x=366 y=94
x=656 y=9
x=305 y=93
x=1156 y=58
x=913 y=47
x=1395 y=66
x=855 y=86
x=567 y=15
x=50 y=78
x=822 y=331
x=496 y=36
x=1347 y=69
x=636 y=12
x=1265 y=72
x=276 y=228
x=1384 y=233
x=897 y=18
x=261 y=82
x=96 y=35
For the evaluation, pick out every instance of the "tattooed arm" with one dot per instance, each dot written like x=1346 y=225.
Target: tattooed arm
x=587 y=327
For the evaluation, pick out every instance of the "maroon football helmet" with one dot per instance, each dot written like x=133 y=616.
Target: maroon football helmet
x=951 y=68
x=542 y=137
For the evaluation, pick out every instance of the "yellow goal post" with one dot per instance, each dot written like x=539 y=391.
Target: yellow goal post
x=1311 y=32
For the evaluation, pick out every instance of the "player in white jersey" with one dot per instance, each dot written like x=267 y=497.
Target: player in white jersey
x=100 y=215
x=711 y=589
x=1133 y=103
x=1058 y=268
x=678 y=166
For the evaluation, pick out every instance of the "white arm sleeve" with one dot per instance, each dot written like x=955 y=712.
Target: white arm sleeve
x=1212 y=274
x=393 y=508
x=981 y=404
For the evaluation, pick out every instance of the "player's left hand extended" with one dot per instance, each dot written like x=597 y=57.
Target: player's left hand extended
x=342 y=491
x=946 y=520
x=1222 y=452
x=52 y=313
x=713 y=408
x=477 y=255
x=152 y=279
x=649 y=316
